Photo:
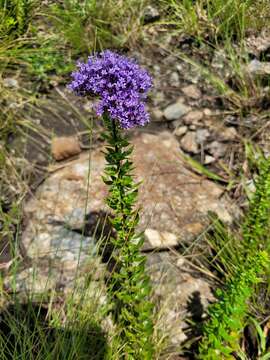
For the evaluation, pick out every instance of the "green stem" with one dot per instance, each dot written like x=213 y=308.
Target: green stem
x=129 y=286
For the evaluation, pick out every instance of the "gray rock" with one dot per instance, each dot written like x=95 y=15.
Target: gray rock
x=157 y=69
x=175 y=79
x=175 y=111
x=202 y=135
x=150 y=14
x=259 y=68
x=159 y=98
x=257 y=44
x=179 y=68
x=10 y=83
x=189 y=143
x=217 y=149
x=174 y=286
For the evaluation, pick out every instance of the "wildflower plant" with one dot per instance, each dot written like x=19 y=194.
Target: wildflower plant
x=121 y=87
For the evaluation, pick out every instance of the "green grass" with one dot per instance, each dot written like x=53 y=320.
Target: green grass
x=33 y=330
x=216 y=20
x=86 y=26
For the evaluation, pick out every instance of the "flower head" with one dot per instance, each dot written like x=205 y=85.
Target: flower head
x=120 y=84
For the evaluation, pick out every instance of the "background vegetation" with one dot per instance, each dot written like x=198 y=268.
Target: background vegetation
x=40 y=42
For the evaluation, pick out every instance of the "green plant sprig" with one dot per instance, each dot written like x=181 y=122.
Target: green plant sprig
x=223 y=331
x=129 y=286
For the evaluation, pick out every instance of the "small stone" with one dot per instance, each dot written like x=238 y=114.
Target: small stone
x=207 y=112
x=10 y=83
x=217 y=149
x=179 y=67
x=188 y=143
x=228 y=134
x=174 y=79
x=259 y=68
x=160 y=240
x=180 y=131
x=175 y=111
x=192 y=91
x=209 y=159
x=202 y=135
x=258 y=44
x=180 y=261
x=156 y=68
x=65 y=147
x=193 y=117
x=150 y=14
x=157 y=114
x=158 y=98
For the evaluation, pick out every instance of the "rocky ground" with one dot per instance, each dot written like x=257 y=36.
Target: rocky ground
x=189 y=118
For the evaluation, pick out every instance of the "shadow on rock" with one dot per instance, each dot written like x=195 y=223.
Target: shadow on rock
x=195 y=319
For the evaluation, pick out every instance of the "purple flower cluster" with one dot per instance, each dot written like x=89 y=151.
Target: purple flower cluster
x=120 y=84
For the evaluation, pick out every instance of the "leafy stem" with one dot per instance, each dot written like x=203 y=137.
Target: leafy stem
x=129 y=287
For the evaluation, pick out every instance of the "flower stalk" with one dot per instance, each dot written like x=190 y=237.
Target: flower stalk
x=121 y=87
x=129 y=286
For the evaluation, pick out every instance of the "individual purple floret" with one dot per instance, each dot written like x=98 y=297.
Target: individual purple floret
x=120 y=84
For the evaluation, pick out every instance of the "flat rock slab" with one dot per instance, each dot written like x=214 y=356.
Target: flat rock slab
x=174 y=205
x=174 y=200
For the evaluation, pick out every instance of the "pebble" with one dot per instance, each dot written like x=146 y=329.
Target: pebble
x=259 y=43
x=229 y=134
x=179 y=67
x=180 y=261
x=158 y=98
x=188 y=143
x=159 y=239
x=150 y=14
x=10 y=83
x=174 y=79
x=65 y=147
x=175 y=111
x=180 y=131
x=202 y=135
x=157 y=114
x=207 y=112
x=192 y=91
x=209 y=159
x=156 y=68
x=256 y=67
x=217 y=149
x=193 y=117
